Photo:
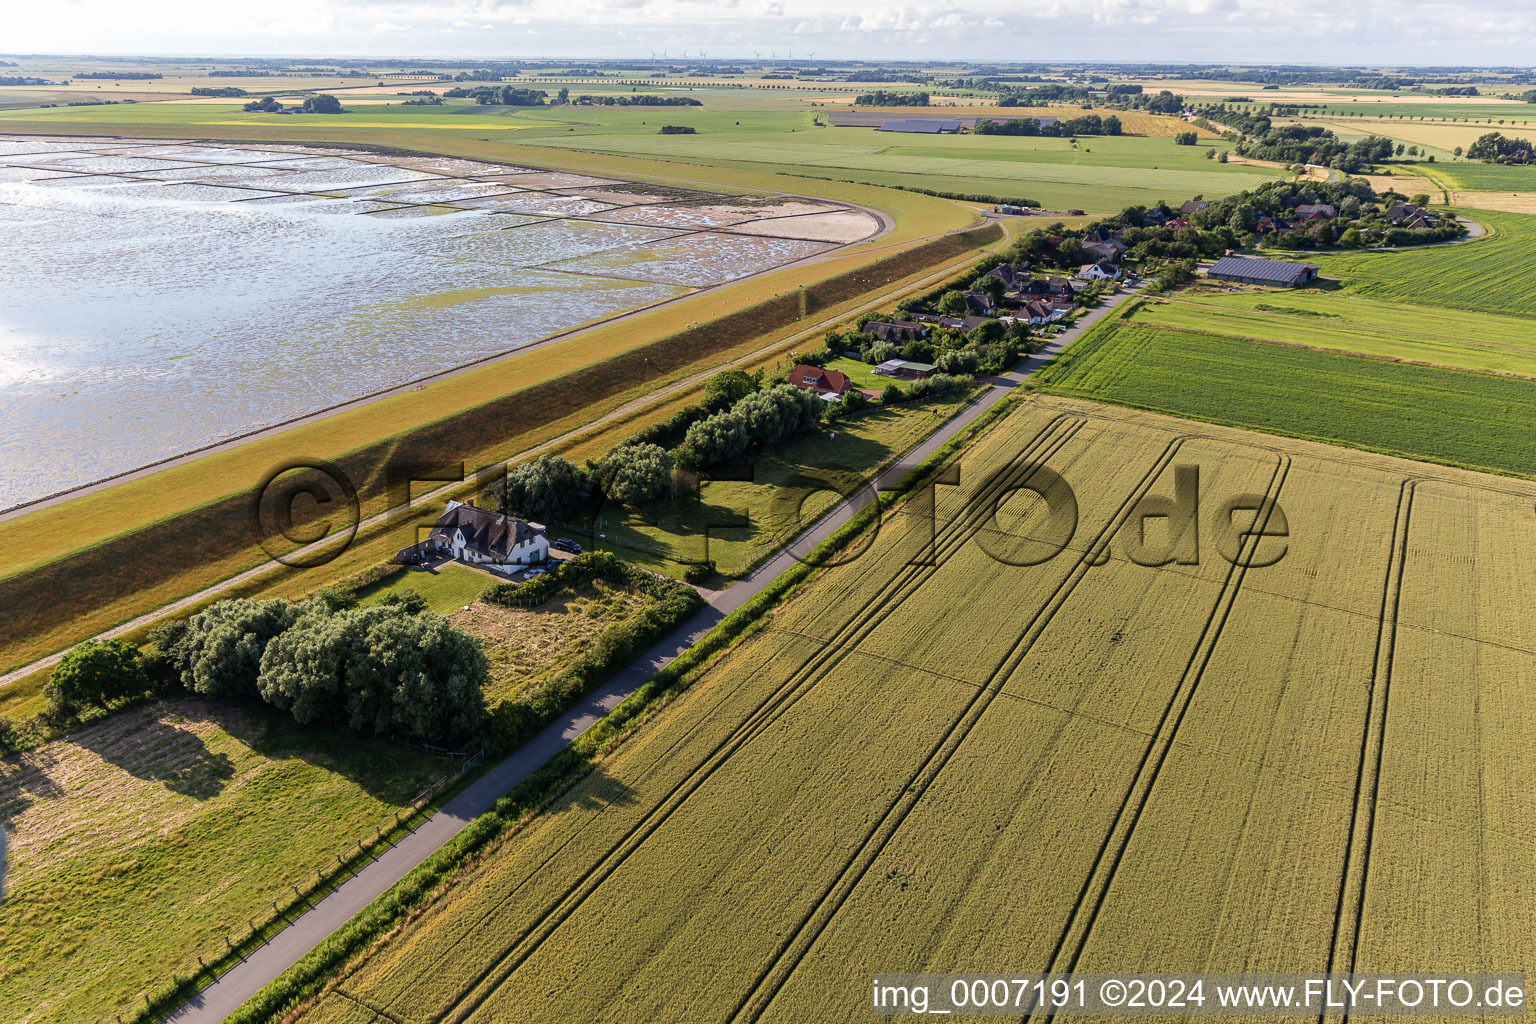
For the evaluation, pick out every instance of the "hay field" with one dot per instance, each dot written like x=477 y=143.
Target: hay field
x=1098 y=765
x=140 y=842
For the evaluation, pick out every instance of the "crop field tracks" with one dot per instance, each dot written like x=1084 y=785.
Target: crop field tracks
x=1035 y=724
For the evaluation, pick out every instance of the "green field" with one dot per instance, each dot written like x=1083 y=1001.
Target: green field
x=1487 y=177
x=1468 y=419
x=1489 y=275
x=1353 y=323
x=1082 y=764
x=140 y=842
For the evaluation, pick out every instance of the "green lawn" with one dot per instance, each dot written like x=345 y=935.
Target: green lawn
x=1469 y=419
x=447 y=589
x=861 y=373
x=138 y=843
x=1353 y=323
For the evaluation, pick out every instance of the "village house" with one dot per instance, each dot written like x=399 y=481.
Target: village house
x=897 y=332
x=478 y=536
x=1100 y=271
x=1059 y=286
x=1407 y=215
x=1193 y=206
x=1105 y=250
x=979 y=303
x=1010 y=275
x=1316 y=211
x=827 y=383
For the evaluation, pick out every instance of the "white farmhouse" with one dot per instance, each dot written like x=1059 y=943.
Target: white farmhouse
x=494 y=540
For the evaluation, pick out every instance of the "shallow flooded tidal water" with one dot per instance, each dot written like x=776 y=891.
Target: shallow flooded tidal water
x=161 y=297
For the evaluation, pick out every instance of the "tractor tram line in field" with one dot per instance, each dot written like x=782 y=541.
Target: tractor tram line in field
x=1074 y=936
x=973 y=517
x=1357 y=851
x=793 y=949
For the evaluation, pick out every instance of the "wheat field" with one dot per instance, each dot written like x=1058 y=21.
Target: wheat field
x=1037 y=749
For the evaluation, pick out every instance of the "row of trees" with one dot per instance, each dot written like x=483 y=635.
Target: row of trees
x=392 y=669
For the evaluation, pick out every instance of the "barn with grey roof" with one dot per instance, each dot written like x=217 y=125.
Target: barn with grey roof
x=1252 y=270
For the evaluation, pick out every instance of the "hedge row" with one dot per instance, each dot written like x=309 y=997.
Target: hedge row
x=145 y=559
x=310 y=975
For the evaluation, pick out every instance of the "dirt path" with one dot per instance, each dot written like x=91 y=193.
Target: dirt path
x=312 y=927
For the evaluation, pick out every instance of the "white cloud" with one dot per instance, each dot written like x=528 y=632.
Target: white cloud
x=1345 y=31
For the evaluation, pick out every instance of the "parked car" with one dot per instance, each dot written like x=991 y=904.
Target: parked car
x=531 y=573
x=566 y=544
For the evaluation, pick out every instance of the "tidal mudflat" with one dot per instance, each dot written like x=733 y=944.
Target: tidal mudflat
x=161 y=297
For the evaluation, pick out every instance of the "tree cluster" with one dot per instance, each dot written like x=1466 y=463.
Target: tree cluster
x=505 y=95
x=763 y=417
x=392 y=669
x=1062 y=128
x=1495 y=148
x=883 y=98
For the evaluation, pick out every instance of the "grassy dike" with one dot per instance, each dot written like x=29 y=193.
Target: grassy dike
x=108 y=556
x=307 y=978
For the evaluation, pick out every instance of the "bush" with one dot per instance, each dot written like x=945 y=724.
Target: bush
x=892 y=395
x=97 y=672
x=728 y=387
x=699 y=572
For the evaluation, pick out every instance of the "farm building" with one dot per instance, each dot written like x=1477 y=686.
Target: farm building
x=1251 y=270
x=478 y=536
x=826 y=382
x=903 y=369
x=918 y=126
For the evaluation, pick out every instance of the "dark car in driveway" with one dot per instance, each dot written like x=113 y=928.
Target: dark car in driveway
x=566 y=544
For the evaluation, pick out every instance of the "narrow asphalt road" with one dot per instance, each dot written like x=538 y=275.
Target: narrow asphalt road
x=306 y=931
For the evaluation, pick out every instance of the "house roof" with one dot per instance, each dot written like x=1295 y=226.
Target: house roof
x=489 y=533
x=1278 y=271
x=818 y=378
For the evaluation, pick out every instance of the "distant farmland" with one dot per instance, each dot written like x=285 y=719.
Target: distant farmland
x=1082 y=764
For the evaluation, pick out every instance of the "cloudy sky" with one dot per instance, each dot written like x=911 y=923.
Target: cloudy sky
x=1273 y=31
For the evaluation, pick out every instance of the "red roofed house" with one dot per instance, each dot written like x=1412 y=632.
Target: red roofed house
x=815 y=378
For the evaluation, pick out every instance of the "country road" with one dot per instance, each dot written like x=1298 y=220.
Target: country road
x=306 y=931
